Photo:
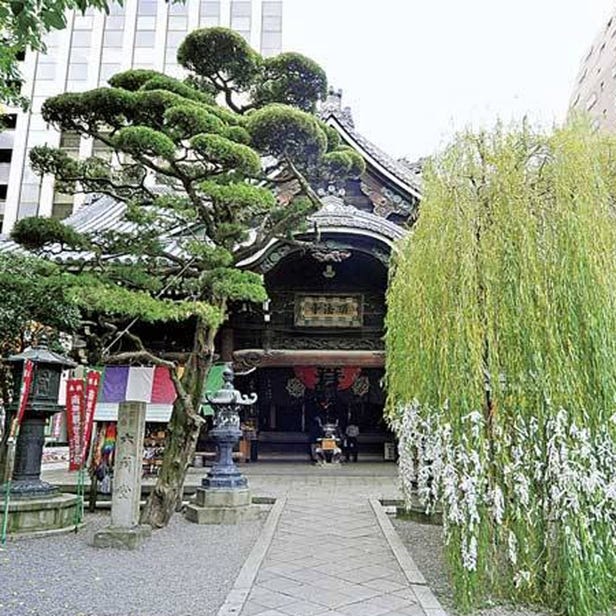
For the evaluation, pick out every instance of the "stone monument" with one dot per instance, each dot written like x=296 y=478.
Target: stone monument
x=125 y=532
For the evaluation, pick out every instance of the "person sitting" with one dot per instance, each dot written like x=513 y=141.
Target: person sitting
x=350 y=441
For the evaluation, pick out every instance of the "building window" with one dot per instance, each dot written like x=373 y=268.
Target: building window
x=8 y=121
x=83 y=22
x=81 y=38
x=108 y=69
x=116 y=9
x=210 y=13
x=113 y=38
x=62 y=206
x=241 y=12
x=69 y=142
x=3 y=191
x=591 y=101
x=102 y=150
x=178 y=22
x=146 y=22
x=145 y=38
x=271 y=41
x=6 y=155
x=178 y=8
x=114 y=22
x=46 y=69
x=147 y=7
x=78 y=71
x=271 y=28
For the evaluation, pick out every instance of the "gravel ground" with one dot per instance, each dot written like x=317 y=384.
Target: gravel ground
x=183 y=570
x=425 y=544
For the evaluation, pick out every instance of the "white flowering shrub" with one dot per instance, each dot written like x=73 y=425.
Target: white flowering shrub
x=501 y=366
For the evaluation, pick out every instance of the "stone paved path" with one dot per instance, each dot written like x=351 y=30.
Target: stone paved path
x=331 y=553
x=329 y=557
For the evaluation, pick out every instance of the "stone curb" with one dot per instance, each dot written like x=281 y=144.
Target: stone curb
x=243 y=584
x=428 y=602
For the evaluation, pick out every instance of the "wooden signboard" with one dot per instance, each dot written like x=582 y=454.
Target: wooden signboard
x=328 y=310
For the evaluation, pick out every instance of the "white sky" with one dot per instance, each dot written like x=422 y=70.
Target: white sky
x=415 y=71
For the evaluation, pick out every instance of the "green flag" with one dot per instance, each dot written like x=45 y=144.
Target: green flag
x=213 y=382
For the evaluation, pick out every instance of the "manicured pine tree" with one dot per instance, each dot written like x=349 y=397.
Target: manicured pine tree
x=188 y=162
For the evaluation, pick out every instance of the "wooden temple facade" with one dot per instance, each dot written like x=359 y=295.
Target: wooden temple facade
x=316 y=347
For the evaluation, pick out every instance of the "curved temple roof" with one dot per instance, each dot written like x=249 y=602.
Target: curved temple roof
x=103 y=213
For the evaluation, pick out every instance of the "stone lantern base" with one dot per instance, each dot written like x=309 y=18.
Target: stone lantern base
x=221 y=506
x=41 y=515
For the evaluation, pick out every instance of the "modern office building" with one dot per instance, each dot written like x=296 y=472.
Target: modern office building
x=94 y=46
x=594 y=91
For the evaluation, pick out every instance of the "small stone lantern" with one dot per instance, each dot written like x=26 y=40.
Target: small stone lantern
x=42 y=404
x=224 y=497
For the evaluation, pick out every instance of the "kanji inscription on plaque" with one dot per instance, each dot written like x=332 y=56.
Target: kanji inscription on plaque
x=328 y=310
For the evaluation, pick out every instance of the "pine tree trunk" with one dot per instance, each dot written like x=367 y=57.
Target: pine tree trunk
x=183 y=432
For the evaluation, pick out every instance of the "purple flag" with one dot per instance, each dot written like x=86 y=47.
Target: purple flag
x=114 y=384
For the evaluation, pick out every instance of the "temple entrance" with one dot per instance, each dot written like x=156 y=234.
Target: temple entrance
x=314 y=350
x=293 y=399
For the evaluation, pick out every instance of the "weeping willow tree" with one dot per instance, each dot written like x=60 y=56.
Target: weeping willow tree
x=501 y=365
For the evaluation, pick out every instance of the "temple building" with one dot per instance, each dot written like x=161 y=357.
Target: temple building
x=316 y=347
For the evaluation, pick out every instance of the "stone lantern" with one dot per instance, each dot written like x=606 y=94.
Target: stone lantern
x=224 y=497
x=35 y=505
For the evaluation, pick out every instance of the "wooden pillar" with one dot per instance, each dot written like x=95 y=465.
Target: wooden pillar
x=227 y=344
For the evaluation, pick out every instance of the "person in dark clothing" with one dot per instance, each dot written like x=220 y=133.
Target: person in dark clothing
x=350 y=441
x=315 y=433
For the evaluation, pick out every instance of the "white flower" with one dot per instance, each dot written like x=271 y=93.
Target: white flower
x=469 y=554
x=498 y=505
x=512 y=545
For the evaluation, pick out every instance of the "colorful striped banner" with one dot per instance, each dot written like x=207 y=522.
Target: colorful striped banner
x=138 y=384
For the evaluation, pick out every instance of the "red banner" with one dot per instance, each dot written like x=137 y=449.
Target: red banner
x=74 y=422
x=24 y=393
x=93 y=380
x=347 y=376
x=26 y=384
x=310 y=376
x=80 y=405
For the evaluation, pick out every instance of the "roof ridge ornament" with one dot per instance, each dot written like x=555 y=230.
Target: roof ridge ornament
x=332 y=105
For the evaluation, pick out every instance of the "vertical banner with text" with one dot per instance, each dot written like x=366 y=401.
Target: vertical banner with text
x=80 y=404
x=93 y=380
x=74 y=421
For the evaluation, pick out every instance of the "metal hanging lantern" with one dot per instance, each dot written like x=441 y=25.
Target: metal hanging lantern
x=227 y=402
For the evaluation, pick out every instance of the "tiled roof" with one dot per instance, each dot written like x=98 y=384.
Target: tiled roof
x=408 y=174
x=101 y=214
